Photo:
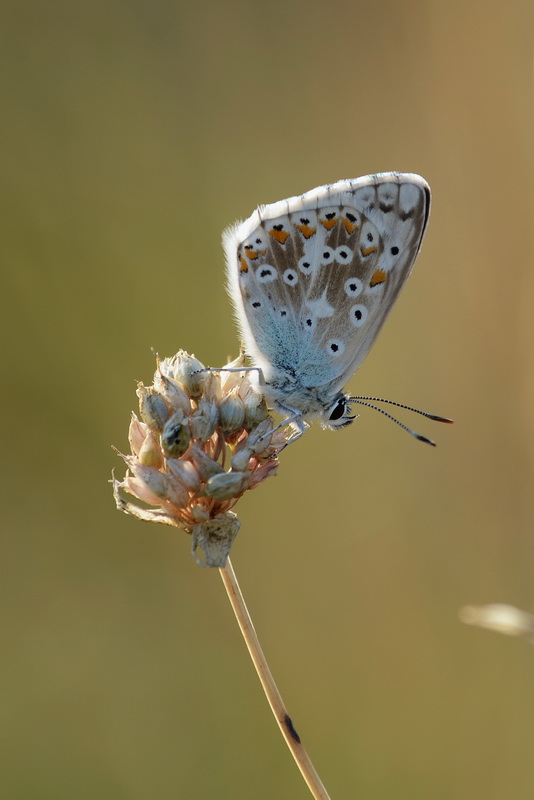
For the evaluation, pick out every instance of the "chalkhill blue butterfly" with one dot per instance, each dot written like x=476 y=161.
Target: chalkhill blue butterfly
x=312 y=280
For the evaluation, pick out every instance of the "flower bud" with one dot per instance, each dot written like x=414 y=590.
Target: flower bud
x=152 y=407
x=172 y=392
x=140 y=490
x=265 y=470
x=186 y=371
x=176 y=493
x=245 y=384
x=205 y=465
x=256 y=410
x=193 y=424
x=227 y=485
x=175 y=436
x=278 y=441
x=211 y=387
x=229 y=380
x=264 y=442
x=241 y=458
x=186 y=472
x=150 y=452
x=152 y=478
x=231 y=412
x=136 y=434
x=204 y=420
x=259 y=438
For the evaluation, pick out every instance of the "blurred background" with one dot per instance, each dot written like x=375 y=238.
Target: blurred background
x=133 y=133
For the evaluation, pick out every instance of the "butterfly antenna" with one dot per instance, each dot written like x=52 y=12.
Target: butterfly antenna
x=363 y=402
x=435 y=417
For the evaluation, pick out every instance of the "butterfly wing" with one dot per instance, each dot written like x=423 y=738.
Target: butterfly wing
x=313 y=278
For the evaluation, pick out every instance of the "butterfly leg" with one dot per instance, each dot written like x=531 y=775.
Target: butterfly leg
x=227 y=369
x=294 y=419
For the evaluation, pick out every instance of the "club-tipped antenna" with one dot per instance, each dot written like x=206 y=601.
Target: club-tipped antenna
x=364 y=401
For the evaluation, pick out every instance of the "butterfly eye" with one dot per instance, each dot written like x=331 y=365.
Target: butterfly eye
x=338 y=410
x=338 y=416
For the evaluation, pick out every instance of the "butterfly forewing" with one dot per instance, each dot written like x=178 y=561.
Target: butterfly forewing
x=313 y=278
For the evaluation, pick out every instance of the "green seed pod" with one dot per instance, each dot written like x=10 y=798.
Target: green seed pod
x=175 y=436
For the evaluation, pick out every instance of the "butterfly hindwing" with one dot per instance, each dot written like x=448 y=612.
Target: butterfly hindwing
x=313 y=278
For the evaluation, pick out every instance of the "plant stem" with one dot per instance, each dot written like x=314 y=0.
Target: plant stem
x=269 y=686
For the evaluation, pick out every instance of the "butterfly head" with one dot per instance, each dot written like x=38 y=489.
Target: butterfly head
x=338 y=415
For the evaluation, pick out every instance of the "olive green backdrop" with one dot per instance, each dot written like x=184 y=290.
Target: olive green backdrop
x=133 y=133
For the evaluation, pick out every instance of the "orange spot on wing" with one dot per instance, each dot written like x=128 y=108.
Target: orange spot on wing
x=280 y=236
x=252 y=254
x=366 y=251
x=350 y=227
x=378 y=277
x=329 y=223
x=243 y=266
x=306 y=230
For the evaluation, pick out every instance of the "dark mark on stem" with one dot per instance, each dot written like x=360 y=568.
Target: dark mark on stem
x=291 y=729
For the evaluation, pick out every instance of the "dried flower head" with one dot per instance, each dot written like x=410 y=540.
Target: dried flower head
x=203 y=439
x=500 y=617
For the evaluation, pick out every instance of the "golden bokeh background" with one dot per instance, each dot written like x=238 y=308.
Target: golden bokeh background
x=133 y=133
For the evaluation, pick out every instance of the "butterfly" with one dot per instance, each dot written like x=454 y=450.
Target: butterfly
x=312 y=280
